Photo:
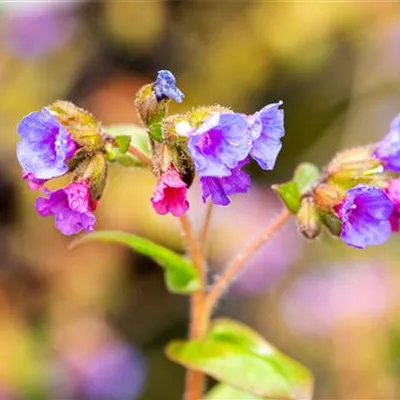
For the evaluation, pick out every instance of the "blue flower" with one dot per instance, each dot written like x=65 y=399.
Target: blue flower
x=46 y=146
x=267 y=131
x=220 y=188
x=165 y=87
x=365 y=214
x=219 y=144
x=388 y=149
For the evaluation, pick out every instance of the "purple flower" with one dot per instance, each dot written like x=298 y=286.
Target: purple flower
x=165 y=87
x=219 y=144
x=267 y=132
x=46 y=146
x=32 y=31
x=388 y=149
x=393 y=191
x=118 y=373
x=33 y=183
x=71 y=206
x=220 y=188
x=365 y=214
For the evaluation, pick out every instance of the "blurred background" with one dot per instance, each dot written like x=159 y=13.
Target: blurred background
x=90 y=324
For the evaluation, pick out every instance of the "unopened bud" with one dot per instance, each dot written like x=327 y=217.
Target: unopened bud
x=332 y=223
x=326 y=197
x=152 y=101
x=83 y=127
x=355 y=166
x=308 y=219
x=93 y=170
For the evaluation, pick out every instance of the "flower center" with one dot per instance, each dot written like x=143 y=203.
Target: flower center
x=209 y=141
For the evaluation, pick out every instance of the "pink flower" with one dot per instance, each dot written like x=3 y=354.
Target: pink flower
x=393 y=191
x=33 y=182
x=170 y=194
x=71 y=207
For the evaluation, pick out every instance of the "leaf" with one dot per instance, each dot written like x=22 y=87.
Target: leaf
x=306 y=175
x=225 y=392
x=236 y=332
x=139 y=137
x=240 y=357
x=180 y=275
x=123 y=142
x=290 y=194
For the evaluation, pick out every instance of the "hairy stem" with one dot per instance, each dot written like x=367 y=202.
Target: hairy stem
x=206 y=227
x=195 y=380
x=237 y=264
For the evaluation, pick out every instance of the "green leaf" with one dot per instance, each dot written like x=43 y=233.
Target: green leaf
x=306 y=175
x=290 y=195
x=123 y=142
x=139 y=137
x=225 y=392
x=180 y=274
x=240 y=357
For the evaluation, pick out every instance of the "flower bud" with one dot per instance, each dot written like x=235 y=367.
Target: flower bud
x=152 y=101
x=93 y=171
x=355 y=166
x=83 y=127
x=308 y=219
x=150 y=111
x=326 y=197
x=332 y=223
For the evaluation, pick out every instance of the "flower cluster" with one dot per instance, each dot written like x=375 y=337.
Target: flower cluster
x=358 y=195
x=223 y=143
x=50 y=148
x=213 y=143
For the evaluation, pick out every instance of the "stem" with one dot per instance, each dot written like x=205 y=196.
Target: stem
x=237 y=264
x=206 y=227
x=195 y=380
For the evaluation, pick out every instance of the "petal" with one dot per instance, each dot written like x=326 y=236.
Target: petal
x=388 y=149
x=365 y=232
x=165 y=87
x=267 y=144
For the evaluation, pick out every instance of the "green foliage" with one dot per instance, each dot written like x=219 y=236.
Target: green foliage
x=238 y=356
x=180 y=275
x=289 y=193
x=127 y=135
x=225 y=392
x=305 y=176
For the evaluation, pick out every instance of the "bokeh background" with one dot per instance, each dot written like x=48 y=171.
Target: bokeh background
x=90 y=324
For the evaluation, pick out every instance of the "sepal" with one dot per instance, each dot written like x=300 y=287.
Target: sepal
x=82 y=126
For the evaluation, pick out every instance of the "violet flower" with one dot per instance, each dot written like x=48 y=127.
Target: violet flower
x=30 y=31
x=165 y=87
x=267 y=132
x=45 y=148
x=388 y=149
x=393 y=191
x=219 y=144
x=220 y=188
x=117 y=373
x=170 y=194
x=33 y=182
x=71 y=206
x=365 y=214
